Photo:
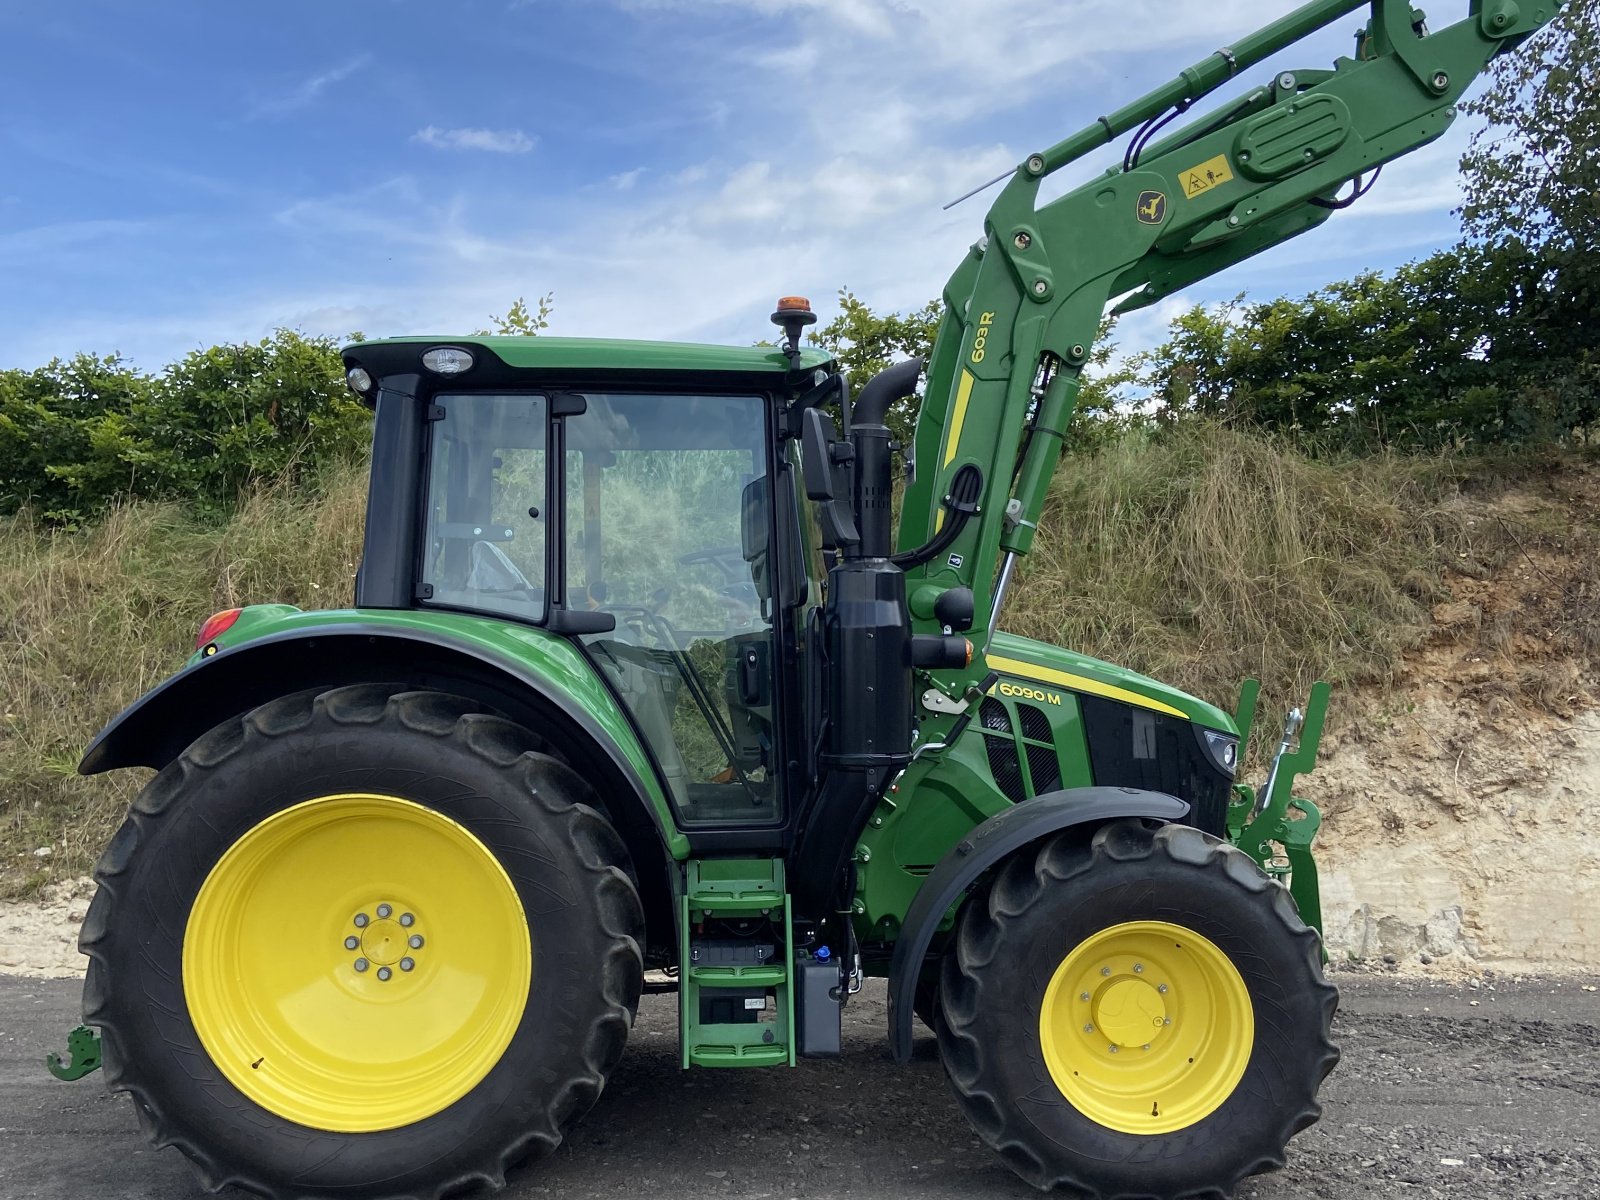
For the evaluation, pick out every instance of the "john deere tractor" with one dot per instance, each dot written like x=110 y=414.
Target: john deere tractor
x=641 y=677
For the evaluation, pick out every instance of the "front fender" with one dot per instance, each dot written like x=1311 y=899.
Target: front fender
x=533 y=677
x=981 y=849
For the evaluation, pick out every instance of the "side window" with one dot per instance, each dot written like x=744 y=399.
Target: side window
x=484 y=545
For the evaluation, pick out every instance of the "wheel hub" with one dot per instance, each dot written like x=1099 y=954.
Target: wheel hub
x=1129 y=1011
x=392 y=940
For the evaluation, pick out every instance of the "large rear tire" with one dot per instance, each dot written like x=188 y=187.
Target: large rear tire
x=369 y=943
x=1140 y=1014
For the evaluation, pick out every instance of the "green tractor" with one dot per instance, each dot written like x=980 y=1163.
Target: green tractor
x=641 y=677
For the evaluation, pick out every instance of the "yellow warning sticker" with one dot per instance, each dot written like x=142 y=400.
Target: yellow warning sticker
x=1206 y=176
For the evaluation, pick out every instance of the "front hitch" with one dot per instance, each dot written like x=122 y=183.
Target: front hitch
x=1259 y=823
x=83 y=1055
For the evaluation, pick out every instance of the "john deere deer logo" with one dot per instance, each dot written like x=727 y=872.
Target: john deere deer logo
x=1152 y=208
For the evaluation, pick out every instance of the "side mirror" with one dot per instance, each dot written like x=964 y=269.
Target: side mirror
x=816 y=441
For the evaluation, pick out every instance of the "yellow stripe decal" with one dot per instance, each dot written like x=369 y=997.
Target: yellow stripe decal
x=1078 y=683
x=953 y=440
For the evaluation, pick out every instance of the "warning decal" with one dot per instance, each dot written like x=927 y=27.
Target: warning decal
x=1206 y=176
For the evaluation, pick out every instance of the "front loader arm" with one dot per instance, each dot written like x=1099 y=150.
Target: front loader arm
x=1022 y=310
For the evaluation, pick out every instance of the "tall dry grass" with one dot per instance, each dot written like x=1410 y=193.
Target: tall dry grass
x=89 y=621
x=1203 y=556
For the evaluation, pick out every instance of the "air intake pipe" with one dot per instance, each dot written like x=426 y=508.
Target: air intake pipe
x=873 y=484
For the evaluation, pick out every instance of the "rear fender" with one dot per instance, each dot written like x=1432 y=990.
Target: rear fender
x=982 y=848
x=559 y=697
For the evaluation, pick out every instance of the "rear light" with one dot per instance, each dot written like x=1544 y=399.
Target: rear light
x=215 y=626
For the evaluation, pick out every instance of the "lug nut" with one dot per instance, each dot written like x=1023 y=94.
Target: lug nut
x=1162 y=988
x=1084 y=996
x=1114 y=1049
x=362 y=964
x=1146 y=1046
x=383 y=912
x=1105 y=970
x=407 y=920
x=361 y=920
x=351 y=942
x=384 y=973
x=1167 y=1021
x=415 y=941
x=407 y=963
x=1088 y=1028
x=1138 y=968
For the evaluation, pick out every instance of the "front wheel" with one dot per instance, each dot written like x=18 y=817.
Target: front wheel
x=364 y=944
x=1142 y=1014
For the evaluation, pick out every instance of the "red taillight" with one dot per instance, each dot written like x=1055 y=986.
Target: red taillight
x=215 y=626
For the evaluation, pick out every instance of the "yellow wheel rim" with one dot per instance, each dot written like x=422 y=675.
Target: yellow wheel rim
x=356 y=963
x=1146 y=1027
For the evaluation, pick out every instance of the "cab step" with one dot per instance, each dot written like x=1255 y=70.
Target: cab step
x=736 y=977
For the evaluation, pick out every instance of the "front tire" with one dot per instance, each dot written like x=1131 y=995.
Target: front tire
x=1140 y=1014
x=368 y=943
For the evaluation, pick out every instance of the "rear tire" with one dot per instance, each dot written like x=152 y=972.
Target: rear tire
x=283 y=1059
x=1079 y=984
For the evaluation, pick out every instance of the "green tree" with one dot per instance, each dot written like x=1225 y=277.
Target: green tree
x=78 y=435
x=1533 y=201
x=521 y=321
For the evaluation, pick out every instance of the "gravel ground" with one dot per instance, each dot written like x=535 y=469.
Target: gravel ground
x=1446 y=1089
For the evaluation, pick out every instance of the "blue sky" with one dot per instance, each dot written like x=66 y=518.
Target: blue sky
x=182 y=173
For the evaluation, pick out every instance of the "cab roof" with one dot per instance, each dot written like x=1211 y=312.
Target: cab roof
x=590 y=357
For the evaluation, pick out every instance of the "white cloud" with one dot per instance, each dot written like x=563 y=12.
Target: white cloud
x=496 y=141
x=308 y=90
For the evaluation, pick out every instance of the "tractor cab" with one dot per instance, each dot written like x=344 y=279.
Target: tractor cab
x=647 y=507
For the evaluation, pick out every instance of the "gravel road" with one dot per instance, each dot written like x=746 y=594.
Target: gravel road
x=1445 y=1090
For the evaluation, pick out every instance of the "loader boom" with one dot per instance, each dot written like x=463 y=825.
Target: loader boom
x=1022 y=310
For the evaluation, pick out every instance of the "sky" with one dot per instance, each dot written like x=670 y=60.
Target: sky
x=178 y=174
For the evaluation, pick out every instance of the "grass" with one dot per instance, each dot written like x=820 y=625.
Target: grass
x=1196 y=555
x=90 y=621
x=1202 y=556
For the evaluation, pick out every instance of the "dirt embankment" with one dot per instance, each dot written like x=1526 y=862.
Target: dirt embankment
x=1462 y=813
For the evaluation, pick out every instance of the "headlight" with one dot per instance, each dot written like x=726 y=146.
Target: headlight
x=447 y=360
x=359 y=379
x=1223 y=749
